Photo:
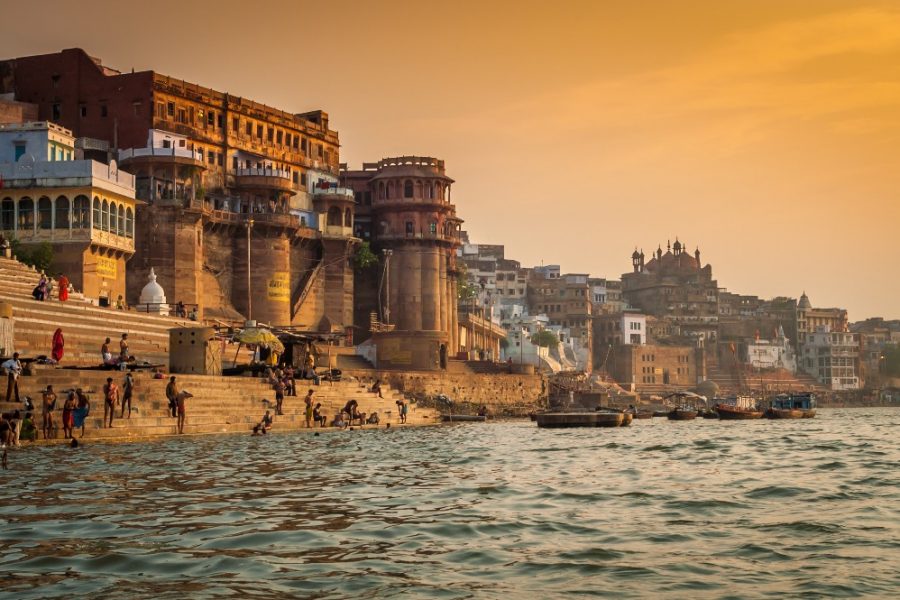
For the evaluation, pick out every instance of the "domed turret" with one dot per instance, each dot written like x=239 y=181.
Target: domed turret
x=677 y=247
x=804 y=303
x=153 y=297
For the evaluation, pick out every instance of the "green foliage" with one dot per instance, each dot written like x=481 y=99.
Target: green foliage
x=364 y=257
x=891 y=360
x=40 y=257
x=504 y=343
x=545 y=338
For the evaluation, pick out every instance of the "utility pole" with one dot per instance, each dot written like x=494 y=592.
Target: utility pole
x=249 y=293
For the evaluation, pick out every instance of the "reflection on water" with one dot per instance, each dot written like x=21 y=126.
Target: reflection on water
x=663 y=509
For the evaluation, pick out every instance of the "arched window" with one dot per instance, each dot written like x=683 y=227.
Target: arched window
x=7 y=214
x=26 y=214
x=381 y=190
x=348 y=218
x=98 y=214
x=390 y=189
x=62 y=213
x=419 y=190
x=104 y=216
x=129 y=223
x=45 y=213
x=81 y=213
x=429 y=191
x=120 y=227
x=408 y=189
x=438 y=191
x=334 y=216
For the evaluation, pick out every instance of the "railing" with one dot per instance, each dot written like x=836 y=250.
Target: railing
x=281 y=173
x=305 y=288
x=159 y=151
x=334 y=191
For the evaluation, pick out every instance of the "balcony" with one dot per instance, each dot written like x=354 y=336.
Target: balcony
x=268 y=179
x=334 y=191
x=175 y=155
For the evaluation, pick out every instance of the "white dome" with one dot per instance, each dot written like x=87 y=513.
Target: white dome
x=153 y=293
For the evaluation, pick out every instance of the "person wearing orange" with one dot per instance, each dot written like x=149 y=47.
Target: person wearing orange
x=58 y=345
x=63 y=288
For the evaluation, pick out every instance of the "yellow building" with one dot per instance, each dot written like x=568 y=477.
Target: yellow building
x=82 y=208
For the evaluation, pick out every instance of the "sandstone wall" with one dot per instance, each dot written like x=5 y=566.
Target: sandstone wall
x=503 y=394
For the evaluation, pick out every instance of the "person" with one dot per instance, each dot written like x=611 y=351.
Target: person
x=56 y=352
x=157 y=374
x=352 y=410
x=404 y=409
x=179 y=309
x=310 y=367
x=68 y=419
x=127 y=392
x=376 y=388
x=82 y=410
x=309 y=408
x=182 y=412
x=120 y=303
x=339 y=420
x=5 y=435
x=482 y=412
x=509 y=365
x=318 y=417
x=63 y=288
x=40 y=290
x=15 y=420
x=105 y=354
x=123 y=348
x=110 y=399
x=279 y=396
x=290 y=381
x=193 y=314
x=265 y=424
x=171 y=394
x=373 y=419
x=28 y=431
x=47 y=407
x=13 y=368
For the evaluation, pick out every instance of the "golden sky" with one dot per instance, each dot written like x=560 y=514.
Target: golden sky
x=767 y=133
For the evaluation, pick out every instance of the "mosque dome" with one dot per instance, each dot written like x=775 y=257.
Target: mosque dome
x=804 y=303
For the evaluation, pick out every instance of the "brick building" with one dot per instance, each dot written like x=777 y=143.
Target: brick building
x=242 y=215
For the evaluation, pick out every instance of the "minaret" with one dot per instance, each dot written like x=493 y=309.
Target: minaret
x=697 y=256
x=636 y=260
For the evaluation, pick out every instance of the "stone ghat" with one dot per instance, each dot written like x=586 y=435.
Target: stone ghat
x=219 y=405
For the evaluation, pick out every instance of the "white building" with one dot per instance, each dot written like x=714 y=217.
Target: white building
x=832 y=357
x=43 y=140
x=772 y=354
x=634 y=328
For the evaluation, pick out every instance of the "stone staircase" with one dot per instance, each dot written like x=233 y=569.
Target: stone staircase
x=219 y=405
x=84 y=325
x=347 y=362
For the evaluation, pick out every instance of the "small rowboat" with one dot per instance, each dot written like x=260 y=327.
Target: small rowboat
x=735 y=413
x=682 y=414
x=463 y=418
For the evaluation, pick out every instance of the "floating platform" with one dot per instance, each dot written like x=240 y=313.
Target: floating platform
x=580 y=419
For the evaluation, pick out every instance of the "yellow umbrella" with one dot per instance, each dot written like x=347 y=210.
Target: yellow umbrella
x=260 y=337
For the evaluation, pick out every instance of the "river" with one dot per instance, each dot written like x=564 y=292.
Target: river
x=702 y=509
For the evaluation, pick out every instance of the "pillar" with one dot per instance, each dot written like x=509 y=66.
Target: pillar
x=430 y=289
x=269 y=276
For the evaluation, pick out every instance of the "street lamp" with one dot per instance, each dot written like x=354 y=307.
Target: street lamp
x=249 y=294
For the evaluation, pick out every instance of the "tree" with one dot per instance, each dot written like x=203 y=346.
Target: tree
x=891 y=353
x=545 y=338
x=364 y=257
x=40 y=257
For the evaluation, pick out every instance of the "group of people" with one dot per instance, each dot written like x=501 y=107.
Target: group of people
x=283 y=382
x=182 y=312
x=120 y=360
x=44 y=288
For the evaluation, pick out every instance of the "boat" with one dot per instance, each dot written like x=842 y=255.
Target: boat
x=660 y=413
x=593 y=418
x=463 y=418
x=792 y=406
x=708 y=413
x=644 y=414
x=738 y=408
x=682 y=413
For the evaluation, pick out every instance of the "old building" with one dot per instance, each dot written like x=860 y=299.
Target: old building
x=809 y=319
x=674 y=285
x=241 y=214
x=652 y=367
x=83 y=209
x=407 y=215
x=832 y=357
x=566 y=300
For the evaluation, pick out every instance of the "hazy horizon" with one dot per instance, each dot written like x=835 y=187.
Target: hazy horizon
x=765 y=133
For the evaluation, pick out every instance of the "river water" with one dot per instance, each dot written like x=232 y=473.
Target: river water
x=702 y=509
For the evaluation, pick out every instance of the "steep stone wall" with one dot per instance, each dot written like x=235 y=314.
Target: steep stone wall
x=503 y=394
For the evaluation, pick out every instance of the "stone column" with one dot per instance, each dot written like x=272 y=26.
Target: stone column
x=430 y=290
x=269 y=276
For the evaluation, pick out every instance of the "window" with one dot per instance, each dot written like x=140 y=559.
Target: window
x=19 y=151
x=136 y=107
x=45 y=213
x=104 y=216
x=407 y=189
x=113 y=217
x=120 y=224
x=160 y=110
x=220 y=121
x=167 y=143
x=81 y=218
x=54 y=80
x=7 y=214
x=210 y=118
x=220 y=159
x=303 y=179
x=270 y=134
x=235 y=123
x=129 y=223
x=26 y=214
x=55 y=110
x=170 y=109
x=62 y=213
x=98 y=214
x=432 y=228
x=200 y=152
x=211 y=157
x=287 y=140
x=248 y=128
x=296 y=177
x=409 y=228
x=234 y=162
x=82 y=110
x=103 y=110
x=259 y=131
x=279 y=137
x=182 y=116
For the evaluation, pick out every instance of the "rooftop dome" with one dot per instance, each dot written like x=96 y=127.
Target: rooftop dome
x=804 y=303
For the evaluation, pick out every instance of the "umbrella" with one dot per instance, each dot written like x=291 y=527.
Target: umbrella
x=260 y=337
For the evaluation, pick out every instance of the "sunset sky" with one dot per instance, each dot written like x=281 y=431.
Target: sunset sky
x=767 y=133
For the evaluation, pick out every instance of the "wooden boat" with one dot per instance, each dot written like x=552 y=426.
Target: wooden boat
x=660 y=413
x=463 y=418
x=644 y=414
x=708 y=413
x=735 y=413
x=792 y=406
x=579 y=419
x=682 y=414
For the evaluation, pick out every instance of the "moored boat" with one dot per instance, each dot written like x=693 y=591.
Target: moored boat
x=738 y=408
x=580 y=419
x=660 y=413
x=682 y=413
x=792 y=406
